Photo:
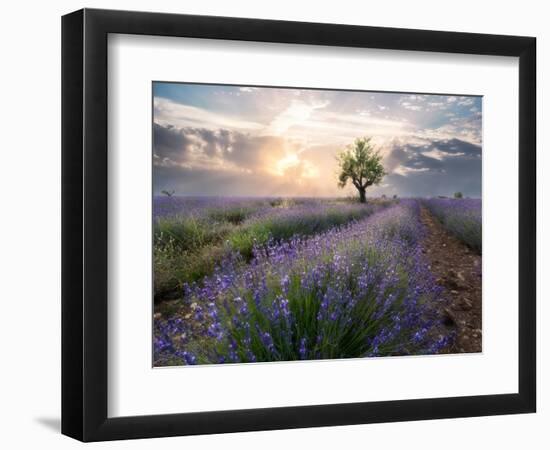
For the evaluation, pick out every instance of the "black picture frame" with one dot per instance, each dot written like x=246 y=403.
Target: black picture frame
x=84 y=224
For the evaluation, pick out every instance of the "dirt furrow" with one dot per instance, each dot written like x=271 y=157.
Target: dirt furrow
x=458 y=270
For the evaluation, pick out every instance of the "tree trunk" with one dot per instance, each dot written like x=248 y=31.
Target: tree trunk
x=362 y=196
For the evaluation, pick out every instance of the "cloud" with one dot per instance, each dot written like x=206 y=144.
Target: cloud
x=404 y=170
x=432 y=168
x=230 y=152
x=187 y=181
x=465 y=101
x=167 y=112
x=191 y=146
x=340 y=129
x=170 y=145
x=467 y=129
x=412 y=107
x=439 y=154
x=247 y=89
x=295 y=114
x=432 y=154
x=413 y=102
x=211 y=149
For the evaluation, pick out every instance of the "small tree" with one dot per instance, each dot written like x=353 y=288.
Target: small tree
x=361 y=164
x=458 y=195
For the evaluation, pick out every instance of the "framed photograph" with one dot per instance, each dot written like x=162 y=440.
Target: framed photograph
x=273 y=224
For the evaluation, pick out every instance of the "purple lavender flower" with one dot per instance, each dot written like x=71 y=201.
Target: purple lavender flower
x=302 y=351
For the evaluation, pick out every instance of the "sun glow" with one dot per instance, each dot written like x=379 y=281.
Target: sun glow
x=292 y=166
x=288 y=162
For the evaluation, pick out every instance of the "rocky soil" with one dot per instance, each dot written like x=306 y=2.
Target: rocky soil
x=458 y=270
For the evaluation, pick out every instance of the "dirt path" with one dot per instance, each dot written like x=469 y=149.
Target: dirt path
x=458 y=270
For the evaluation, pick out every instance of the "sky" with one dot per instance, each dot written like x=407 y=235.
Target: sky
x=256 y=141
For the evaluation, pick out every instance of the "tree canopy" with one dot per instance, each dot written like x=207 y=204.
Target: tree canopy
x=361 y=164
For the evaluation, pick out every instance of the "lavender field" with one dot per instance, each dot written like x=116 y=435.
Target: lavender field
x=305 y=224
x=279 y=279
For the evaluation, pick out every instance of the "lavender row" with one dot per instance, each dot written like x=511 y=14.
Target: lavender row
x=461 y=217
x=216 y=207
